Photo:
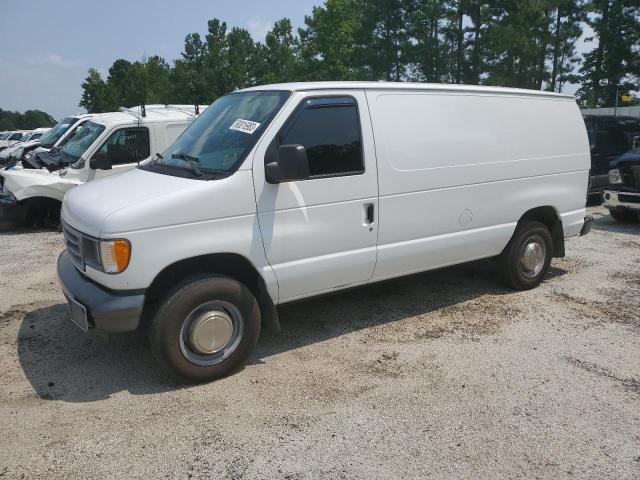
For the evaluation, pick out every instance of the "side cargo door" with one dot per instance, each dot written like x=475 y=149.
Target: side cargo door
x=321 y=233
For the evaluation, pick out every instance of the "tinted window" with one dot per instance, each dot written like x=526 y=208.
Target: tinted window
x=127 y=145
x=331 y=136
x=16 y=136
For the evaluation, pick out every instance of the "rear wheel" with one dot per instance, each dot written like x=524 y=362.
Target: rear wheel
x=206 y=328
x=526 y=259
x=624 y=215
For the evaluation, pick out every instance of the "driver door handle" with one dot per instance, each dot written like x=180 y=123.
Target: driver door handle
x=369 y=213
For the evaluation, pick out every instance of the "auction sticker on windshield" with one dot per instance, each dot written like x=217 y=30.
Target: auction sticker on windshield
x=246 y=126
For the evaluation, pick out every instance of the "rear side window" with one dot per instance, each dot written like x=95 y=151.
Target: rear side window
x=16 y=136
x=329 y=130
x=127 y=145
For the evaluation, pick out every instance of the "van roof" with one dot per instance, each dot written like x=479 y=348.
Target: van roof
x=301 y=86
x=154 y=113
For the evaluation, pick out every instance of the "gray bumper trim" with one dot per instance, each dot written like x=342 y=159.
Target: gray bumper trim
x=107 y=310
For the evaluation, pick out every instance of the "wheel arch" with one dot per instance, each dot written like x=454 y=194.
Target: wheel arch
x=40 y=207
x=550 y=217
x=230 y=264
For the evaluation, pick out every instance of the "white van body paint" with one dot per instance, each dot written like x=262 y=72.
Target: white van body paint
x=449 y=171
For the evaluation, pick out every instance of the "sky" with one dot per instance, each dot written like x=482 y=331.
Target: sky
x=48 y=46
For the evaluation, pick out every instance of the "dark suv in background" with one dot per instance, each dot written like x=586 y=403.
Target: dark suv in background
x=609 y=137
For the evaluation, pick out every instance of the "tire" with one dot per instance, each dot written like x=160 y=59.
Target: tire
x=189 y=330
x=520 y=271
x=624 y=215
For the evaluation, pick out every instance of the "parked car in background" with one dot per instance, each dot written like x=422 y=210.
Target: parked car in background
x=36 y=134
x=15 y=151
x=11 y=138
x=609 y=137
x=279 y=193
x=105 y=144
x=56 y=136
x=622 y=196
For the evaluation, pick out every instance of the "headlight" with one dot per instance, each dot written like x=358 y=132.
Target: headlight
x=109 y=256
x=615 y=176
x=114 y=255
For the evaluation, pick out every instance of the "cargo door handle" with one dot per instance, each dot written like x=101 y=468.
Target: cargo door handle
x=369 y=213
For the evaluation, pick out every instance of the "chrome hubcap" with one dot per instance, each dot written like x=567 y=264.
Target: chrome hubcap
x=533 y=256
x=211 y=332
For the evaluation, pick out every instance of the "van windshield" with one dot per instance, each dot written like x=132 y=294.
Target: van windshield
x=52 y=136
x=219 y=139
x=80 y=142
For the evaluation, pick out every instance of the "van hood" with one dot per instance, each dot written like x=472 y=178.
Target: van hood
x=139 y=199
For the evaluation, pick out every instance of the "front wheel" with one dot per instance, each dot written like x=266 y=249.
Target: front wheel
x=526 y=259
x=206 y=328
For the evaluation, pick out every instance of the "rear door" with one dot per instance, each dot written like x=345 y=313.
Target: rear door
x=321 y=233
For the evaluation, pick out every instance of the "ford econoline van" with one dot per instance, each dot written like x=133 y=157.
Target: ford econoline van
x=283 y=192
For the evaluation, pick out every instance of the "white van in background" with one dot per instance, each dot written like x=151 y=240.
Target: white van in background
x=103 y=144
x=283 y=192
x=56 y=136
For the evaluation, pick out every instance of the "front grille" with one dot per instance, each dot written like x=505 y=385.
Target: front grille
x=73 y=241
x=624 y=198
x=636 y=175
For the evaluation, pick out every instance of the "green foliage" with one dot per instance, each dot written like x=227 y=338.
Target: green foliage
x=612 y=68
x=519 y=43
x=329 y=42
x=25 y=121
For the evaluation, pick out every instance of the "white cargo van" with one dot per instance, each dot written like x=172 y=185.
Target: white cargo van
x=283 y=192
x=56 y=136
x=103 y=145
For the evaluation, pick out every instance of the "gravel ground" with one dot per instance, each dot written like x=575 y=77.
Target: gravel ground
x=441 y=375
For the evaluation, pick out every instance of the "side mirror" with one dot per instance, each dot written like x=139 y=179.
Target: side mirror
x=292 y=164
x=100 y=161
x=635 y=142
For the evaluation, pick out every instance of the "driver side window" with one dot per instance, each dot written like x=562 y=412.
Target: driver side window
x=127 y=145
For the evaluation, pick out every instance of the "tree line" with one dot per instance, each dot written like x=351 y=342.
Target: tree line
x=28 y=120
x=512 y=43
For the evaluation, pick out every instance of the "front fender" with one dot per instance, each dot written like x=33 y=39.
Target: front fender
x=28 y=183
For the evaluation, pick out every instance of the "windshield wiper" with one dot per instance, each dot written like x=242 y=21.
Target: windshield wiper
x=189 y=160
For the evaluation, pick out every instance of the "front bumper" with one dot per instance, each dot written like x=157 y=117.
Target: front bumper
x=620 y=200
x=597 y=183
x=106 y=309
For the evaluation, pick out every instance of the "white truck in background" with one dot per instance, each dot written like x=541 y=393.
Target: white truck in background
x=103 y=145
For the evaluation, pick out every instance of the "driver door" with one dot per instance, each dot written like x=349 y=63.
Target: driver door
x=320 y=234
